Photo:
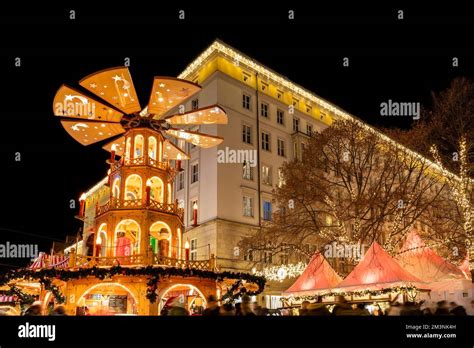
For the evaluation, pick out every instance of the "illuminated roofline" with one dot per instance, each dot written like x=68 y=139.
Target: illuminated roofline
x=220 y=47
x=96 y=187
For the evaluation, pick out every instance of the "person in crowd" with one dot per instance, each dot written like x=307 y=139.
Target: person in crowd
x=442 y=308
x=178 y=307
x=342 y=308
x=245 y=307
x=458 y=311
x=410 y=309
x=361 y=310
x=304 y=308
x=59 y=311
x=227 y=310
x=34 y=310
x=213 y=308
x=394 y=309
x=317 y=308
x=263 y=311
x=427 y=312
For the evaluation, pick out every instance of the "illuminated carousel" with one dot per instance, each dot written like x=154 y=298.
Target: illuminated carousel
x=133 y=259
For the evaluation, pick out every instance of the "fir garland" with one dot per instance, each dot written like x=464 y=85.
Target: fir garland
x=24 y=299
x=45 y=276
x=356 y=293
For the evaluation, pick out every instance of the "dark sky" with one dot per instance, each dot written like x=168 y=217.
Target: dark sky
x=389 y=59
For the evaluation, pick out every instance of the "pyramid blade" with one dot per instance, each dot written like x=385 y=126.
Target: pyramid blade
x=209 y=115
x=69 y=102
x=119 y=145
x=88 y=133
x=171 y=151
x=196 y=138
x=167 y=92
x=115 y=86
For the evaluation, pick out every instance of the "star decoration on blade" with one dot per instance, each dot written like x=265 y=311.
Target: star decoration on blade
x=89 y=120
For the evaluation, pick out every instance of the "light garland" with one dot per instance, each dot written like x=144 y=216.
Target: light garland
x=411 y=291
x=282 y=272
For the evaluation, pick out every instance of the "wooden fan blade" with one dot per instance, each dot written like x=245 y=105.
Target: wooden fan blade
x=209 y=115
x=115 y=86
x=88 y=133
x=167 y=92
x=119 y=145
x=171 y=151
x=196 y=138
x=69 y=102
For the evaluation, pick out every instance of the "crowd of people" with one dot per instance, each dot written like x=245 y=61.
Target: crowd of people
x=317 y=308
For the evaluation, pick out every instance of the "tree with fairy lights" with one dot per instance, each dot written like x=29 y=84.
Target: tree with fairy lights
x=352 y=187
x=445 y=133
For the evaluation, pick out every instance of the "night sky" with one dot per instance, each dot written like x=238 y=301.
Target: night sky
x=389 y=59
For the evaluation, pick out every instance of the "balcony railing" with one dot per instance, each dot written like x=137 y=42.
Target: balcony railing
x=117 y=204
x=82 y=261
x=140 y=161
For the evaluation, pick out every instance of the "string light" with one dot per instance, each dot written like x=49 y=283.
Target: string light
x=282 y=272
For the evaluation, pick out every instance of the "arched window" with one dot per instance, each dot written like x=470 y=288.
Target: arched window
x=133 y=187
x=156 y=189
x=138 y=151
x=127 y=238
x=152 y=147
x=102 y=239
x=161 y=238
x=128 y=147
x=116 y=188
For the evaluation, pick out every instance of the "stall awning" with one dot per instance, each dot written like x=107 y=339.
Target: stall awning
x=378 y=270
x=318 y=275
x=424 y=262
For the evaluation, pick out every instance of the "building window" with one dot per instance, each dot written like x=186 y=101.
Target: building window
x=281 y=147
x=309 y=129
x=281 y=178
x=295 y=102
x=246 y=101
x=280 y=117
x=246 y=134
x=264 y=86
x=246 y=77
x=264 y=110
x=267 y=210
x=279 y=94
x=194 y=173
x=247 y=172
x=284 y=258
x=247 y=204
x=296 y=124
x=267 y=257
x=309 y=109
x=181 y=181
x=193 y=250
x=195 y=104
x=248 y=256
x=266 y=175
x=265 y=141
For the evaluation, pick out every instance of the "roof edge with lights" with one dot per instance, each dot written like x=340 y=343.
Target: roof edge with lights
x=220 y=47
